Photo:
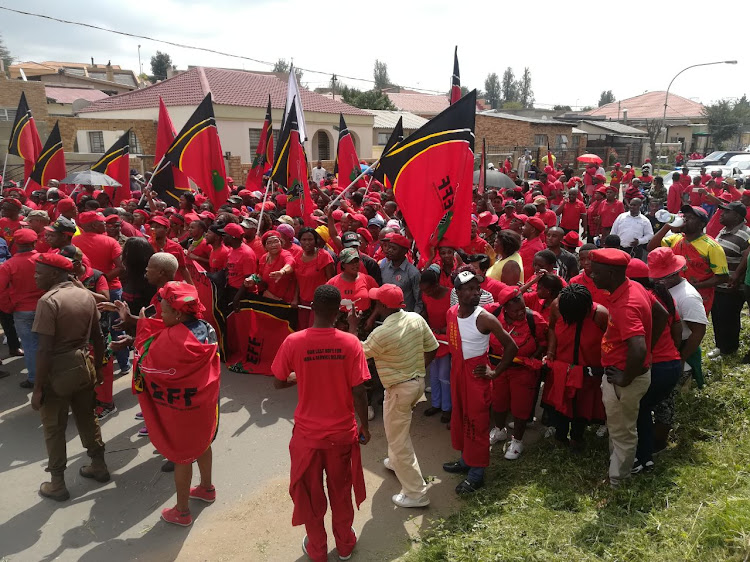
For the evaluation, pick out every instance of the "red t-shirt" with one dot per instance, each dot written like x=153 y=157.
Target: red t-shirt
x=202 y=250
x=129 y=230
x=609 y=212
x=217 y=259
x=616 y=176
x=477 y=246
x=355 y=291
x=664 y=348
x=18 y=290
x=311 y=274
x=528 y=249
x=7 y=228
x=570 y=216
x=170 y=247
x=100 y=285
x=285 y=287
x=629 y=316
x=520 y=331
x=328 y=363
x=241 y=262
x=598 y=296
x=493 y=287
x=102 y=252
x=548 y=217
x=436 y=318
x=41 y=245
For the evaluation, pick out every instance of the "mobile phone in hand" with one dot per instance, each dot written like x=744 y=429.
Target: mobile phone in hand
x=149 y=311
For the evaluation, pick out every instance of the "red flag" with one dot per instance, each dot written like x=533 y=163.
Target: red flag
x=168 y=181
x=483 y=169
x=51 y=162
x=24 y=137
x=263 y=160
x=207 y=295
x=347 y=166
x=432 y=175
x=116 y=164
x=178 y=392
x=455 y=79
x=197 y=152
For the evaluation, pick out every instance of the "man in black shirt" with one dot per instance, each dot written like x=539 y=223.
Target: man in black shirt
x=567 y=264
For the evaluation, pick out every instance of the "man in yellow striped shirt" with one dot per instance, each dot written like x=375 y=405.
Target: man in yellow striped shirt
x=402 y=348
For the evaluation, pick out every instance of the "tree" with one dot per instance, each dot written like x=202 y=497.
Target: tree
x=380 y=75
x=509 y=85
x=562 y=108
x=512 y=105
x=606 y=97
x=492 y=87
x=653 y=129
x=587 y=108
x=283 y=66
x=371 y=99
x=525 y=93
x=160 y=63
x=5 y=55
x=726 y=119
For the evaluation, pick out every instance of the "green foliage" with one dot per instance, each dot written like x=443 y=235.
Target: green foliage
x=160 y=63
x=550 y=505
x=562 y=108
x=726 y=119
x=282 y=65
x=525 y=93
x=512 y=105
x=370 y=99
x=5 y=55
x=492 y=89
x=510 y=85
x=380 y=75
x=606 y=97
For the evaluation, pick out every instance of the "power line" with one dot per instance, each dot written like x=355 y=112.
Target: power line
x=193 y=47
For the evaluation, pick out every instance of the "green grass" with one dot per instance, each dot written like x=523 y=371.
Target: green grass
x=550 y=505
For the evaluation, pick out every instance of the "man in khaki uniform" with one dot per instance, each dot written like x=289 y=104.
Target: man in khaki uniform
x=66 y=321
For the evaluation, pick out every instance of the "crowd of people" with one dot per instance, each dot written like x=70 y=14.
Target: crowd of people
x=576 y=303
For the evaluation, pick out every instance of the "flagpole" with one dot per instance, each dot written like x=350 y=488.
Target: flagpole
x=359 y=177
x=263 y=205
x=5 y=164
x=148 y=183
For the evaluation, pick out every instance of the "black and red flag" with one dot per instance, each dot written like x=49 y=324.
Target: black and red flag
x=397 y=136
x=455 y=79
x=432 y=176
x=290 y=169
x=263 y=160
x=51 y=162
x=116 y=164
x=167 y=180
x=347 y=166
x=24 y=137
x=482 y=184
x=196 y=151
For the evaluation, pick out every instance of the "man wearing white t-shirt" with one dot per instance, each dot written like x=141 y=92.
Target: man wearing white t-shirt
x=319 y=174
x=664 y=267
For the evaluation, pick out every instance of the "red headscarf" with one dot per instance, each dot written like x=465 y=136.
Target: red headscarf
x=183 y=297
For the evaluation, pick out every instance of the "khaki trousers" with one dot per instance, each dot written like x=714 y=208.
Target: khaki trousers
x=622 y=404
x=399 y=402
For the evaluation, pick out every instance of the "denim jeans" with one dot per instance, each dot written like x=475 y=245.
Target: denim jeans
x=123 y=356
x=440 y=382
x=476 y=473
x=24 y=320
x=6 y=319
x=664 y=377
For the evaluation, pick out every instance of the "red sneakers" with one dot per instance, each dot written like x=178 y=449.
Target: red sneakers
x=181 y=518
x=207 y=495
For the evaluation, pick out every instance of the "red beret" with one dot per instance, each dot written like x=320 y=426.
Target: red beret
x=537 y=223
x=360 y=218
x=207 y=215
x=486 y=219
x=169 y=210
x=112 y=218
x=234 y=230
x=90 y=216
x=399 y=240
x=637 y=270
x=338 y=214
x=610 y=256
x=177 y=218
x=66 y=204
x=141 y=212
x=281 y=200
x=25 y=236
x=364 y=233
x=602 y=190
x=268 y=234
x=12 y=201
x=55 y=260
x=245 y=193
x=507 y=294
x=163 y=221
x=600 y=177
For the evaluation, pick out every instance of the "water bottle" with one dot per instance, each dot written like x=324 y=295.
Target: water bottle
x=665 y=217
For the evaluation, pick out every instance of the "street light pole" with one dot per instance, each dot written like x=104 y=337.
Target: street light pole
x=666 y=98
x=140 y=64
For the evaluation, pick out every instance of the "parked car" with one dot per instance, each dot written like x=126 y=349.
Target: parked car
x=716 y=158
x=736 y=167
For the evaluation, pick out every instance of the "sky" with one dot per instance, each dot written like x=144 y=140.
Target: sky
x=574 y=49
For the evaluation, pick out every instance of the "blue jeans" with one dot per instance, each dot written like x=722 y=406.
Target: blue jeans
x=123 y=356
x=440 y=383
x=664 y=377
x=476 y=473
x=24 y=320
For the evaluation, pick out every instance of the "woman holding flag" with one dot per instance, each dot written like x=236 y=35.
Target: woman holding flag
x=177 y=382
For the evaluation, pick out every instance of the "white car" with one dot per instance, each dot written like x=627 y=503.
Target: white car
x=736 y=167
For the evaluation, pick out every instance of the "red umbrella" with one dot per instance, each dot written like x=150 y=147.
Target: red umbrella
x=589 y=158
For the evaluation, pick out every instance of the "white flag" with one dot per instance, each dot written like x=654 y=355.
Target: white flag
x=292 y=91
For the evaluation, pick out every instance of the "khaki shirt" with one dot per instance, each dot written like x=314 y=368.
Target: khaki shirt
x=67 y=313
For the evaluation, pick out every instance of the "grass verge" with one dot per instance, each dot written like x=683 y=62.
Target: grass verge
x=550 y=505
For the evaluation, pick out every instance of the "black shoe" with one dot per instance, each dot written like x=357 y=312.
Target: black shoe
x=639 y=467
x=445 y=417
x=26 y=384
x=455 y=468
x=431 y=411
x=167 y=467
x=468 y=487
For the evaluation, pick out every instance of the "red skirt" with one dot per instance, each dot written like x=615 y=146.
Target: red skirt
x=470 y=420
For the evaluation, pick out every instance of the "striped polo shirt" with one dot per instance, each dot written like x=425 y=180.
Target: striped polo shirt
x=398 y=347
x=734 y=241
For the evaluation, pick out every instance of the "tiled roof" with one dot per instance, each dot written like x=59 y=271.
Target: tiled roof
x=69 y=95
x=534 y=120
x=616 y=127
x=385 y=119
x=228 y=87
x=419 y=103
x=650 y=106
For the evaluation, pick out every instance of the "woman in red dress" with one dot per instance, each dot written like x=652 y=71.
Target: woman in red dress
x=312 y=268
x=276 y=269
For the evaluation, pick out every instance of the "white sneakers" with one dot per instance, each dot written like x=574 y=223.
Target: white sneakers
x=402 y=500
x=715 y=353
x=497 y=435
x=387 y=464
x=370 y=413
x=514 y=450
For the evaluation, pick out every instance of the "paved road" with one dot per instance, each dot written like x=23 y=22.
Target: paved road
x=251 y=519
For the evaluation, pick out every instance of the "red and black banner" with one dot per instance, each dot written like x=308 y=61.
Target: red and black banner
x=196 y=151
x=263 y=160
x=24 y=137
x=51 y=162
x=483 y=169
x=116 y=164
x=455 y=79
x=432 y=176
x=168 y=182
x=347 y=166
x=397 y=136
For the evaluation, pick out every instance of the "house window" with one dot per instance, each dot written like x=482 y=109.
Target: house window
x=561 y=141
x=7 y=114
x=96 y=141
x=255 y=139
x=324 y=146
x=383 y=138
x=540 y=140
x=135 y=145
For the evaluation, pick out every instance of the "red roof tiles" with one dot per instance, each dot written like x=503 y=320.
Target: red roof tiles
x=650 y=106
